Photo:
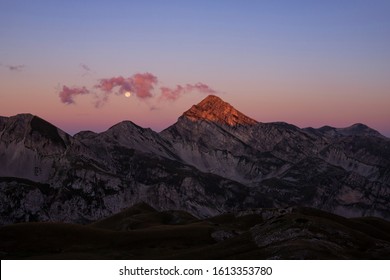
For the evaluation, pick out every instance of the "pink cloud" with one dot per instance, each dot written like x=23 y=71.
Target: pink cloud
x=140 y=85
x=67 y=94
x=173 y=94
x=107 y=85
x=203 y=88
x=143 y=84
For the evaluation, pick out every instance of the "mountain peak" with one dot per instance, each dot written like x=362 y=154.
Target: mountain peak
x=359 y=129
x=214 y=109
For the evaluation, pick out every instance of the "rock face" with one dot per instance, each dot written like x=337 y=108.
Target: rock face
x=214 y=109
x=214 y=159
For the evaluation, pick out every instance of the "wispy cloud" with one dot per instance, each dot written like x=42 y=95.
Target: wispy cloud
x=15 y=67
x=175 y=93
x=85 y=68
x=67 y=94
x=140 y=85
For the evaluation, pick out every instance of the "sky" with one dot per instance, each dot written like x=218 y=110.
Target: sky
x=87 y=65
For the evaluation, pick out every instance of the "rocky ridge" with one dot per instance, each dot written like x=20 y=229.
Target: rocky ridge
x=211 y=161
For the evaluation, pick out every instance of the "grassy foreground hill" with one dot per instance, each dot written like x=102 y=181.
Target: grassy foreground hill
x=142 y=232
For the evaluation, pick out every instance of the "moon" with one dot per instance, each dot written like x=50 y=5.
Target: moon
x=127 y=94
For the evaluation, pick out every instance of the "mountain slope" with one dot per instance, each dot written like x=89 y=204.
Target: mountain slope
x=97 y=175
x=291 y=233
x=213 y=160
x=30 y=146
x=214 y=109
x=128 y=135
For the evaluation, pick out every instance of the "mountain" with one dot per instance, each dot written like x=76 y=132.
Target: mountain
x=30 y=146
x=357 y=129
x=142 y=232
x=216 y=138
x=91 y=176
x=340 y=172
x=214 y=109
x=213 y=160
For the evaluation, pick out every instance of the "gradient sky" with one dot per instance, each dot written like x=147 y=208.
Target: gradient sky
x=309 y=63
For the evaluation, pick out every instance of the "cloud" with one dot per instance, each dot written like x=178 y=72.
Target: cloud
x=101 y=100
x=15 y=67
x=85 y=67
x=173 y=94
x=107 y=85
x=143 y=84
x=140 y=85
x=67 y=94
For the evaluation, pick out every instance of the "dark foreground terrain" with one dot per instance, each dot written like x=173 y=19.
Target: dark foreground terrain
x=142 y=232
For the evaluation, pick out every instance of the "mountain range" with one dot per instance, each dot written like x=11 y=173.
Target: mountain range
x=214 y=160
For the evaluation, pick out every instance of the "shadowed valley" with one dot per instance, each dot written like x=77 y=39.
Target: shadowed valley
x=141 y=232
